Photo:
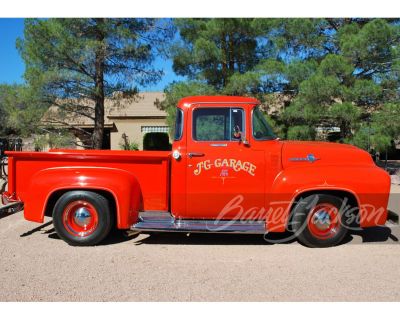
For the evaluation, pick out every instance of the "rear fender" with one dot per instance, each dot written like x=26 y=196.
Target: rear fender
x=121 y=184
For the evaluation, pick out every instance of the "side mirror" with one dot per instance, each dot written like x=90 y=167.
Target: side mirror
x=245 y=142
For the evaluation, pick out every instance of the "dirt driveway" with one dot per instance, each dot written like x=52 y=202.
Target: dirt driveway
x=36 y=265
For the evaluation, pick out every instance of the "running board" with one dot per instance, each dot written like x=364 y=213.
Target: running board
x=165 y=222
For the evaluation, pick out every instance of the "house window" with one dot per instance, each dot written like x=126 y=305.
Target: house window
x=147 y=129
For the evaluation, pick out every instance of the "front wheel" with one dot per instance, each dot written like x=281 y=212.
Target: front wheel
x=82 y=218
x=318 y=221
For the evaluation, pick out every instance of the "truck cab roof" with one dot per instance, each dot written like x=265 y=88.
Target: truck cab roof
x=188 y=101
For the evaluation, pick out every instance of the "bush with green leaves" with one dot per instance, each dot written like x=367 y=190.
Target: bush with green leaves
x=301 y=133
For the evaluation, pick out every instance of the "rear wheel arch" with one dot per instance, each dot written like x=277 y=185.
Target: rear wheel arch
x=121 y=187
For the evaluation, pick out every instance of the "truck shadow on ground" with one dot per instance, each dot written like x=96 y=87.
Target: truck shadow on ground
x=371 y=235
x=382 y=234
x=115 y=236
x=214 y=239
x=375 y=234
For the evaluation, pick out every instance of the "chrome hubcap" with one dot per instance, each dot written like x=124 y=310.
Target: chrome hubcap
x=322 y=220
x=82 y=217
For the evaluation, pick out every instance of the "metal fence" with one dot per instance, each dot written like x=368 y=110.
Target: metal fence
x=10 y=144
x=7 y=144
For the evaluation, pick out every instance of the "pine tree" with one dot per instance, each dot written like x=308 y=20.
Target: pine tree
x=76 y=63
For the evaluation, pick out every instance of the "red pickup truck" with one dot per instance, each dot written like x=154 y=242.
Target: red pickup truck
x=227 y=172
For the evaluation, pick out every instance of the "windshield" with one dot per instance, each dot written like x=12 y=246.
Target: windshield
x=261 y=129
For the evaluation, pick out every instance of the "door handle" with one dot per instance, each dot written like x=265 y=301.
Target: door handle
x=218 y=144
x=195 y=154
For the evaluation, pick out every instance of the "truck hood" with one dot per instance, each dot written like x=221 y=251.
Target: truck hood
x=306 y=153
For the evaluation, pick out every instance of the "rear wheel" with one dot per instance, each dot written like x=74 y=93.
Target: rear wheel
x=318 y=221
x=82 y=218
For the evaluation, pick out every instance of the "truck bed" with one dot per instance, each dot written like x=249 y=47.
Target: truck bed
x=151 y=168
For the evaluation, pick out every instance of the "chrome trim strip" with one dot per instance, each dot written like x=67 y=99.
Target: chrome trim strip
x=166 y=223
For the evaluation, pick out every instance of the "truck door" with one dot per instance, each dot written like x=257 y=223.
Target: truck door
x=225 y=176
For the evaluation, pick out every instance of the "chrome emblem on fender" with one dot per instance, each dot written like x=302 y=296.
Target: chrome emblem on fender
x=310 y=158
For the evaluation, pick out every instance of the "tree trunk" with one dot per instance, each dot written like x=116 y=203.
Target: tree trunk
x=345 y=130
x=231 y=54
x=98 y=131
x=224 y=61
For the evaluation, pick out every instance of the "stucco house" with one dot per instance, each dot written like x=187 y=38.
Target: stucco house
x=132 y=117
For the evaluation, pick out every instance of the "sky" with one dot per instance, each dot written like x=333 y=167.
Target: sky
x=12 y=66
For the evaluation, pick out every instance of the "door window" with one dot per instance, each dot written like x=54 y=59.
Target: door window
x=218 y=124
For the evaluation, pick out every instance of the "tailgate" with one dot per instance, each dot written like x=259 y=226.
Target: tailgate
x=10 y=203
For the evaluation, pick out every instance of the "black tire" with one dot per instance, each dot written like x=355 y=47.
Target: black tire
x=307 y=232
x=65 y=217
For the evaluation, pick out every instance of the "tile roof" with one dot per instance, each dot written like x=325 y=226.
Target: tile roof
x=141 y=106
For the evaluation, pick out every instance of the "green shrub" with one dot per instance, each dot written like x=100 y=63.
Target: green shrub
x=126 y=144
x=301 y=133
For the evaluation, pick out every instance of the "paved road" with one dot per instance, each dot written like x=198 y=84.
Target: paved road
x=36 y=265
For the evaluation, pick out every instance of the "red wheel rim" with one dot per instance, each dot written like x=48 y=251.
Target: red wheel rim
x=80 y=218
x=324 y=221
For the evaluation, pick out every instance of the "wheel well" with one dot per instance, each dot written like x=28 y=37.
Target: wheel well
x=57 y=194
x=352 y=200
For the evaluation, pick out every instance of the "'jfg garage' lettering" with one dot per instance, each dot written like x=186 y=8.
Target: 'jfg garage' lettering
x=236 y=165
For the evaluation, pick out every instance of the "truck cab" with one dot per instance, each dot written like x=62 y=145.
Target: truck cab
x=219 y=153
x=227 y=172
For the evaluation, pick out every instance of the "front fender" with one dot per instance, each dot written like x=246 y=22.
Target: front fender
x=121 y=184
x=369 y=185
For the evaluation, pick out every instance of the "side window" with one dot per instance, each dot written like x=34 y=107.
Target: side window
x=218 y=124
x=178 y=124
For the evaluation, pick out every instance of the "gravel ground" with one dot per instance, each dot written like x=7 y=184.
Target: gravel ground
x=35 y=265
